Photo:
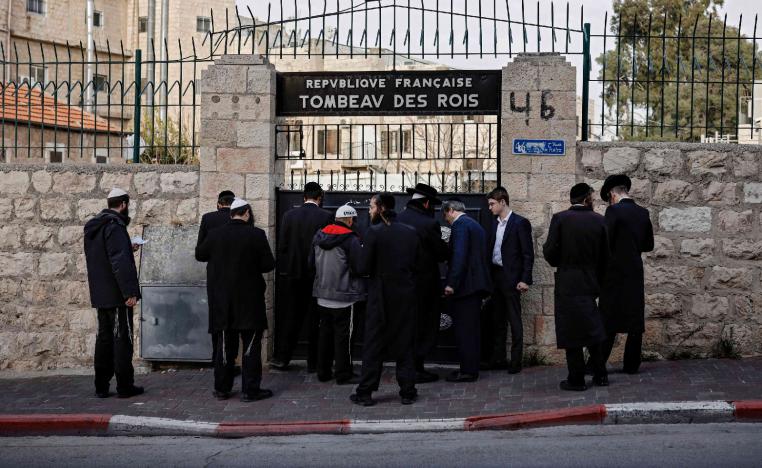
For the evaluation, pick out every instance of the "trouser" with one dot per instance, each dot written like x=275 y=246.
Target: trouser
x=297 y=309
x=334 y=343
x=575 y=362
x=226 y=354
x=632 y=350
x=465 y=315
x=113 y=349
x=506 y=309
x=428 y=320
x=374 y=347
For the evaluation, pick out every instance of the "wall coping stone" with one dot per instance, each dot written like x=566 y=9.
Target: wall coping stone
x=99 y=168
x=683 y=146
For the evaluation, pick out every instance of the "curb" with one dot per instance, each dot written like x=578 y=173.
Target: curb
x=628 y=413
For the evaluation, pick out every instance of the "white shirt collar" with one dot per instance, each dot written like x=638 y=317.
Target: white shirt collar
x=310 y=201
x=503 y=221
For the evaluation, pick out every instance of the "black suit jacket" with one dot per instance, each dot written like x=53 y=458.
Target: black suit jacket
x=297 y=230
x=517 y=251
x=433 y=248
x=212 y=220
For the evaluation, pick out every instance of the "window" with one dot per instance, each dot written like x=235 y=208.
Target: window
x=37 y=75
x=55 y=154
x=98 y=19
x=142 y=24
x=391 y=144
x=326 y=141
x=99 y=83
x=203 y=24
x=101 y=155
x=35 y=6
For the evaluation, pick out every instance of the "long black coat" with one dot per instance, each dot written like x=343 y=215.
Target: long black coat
x=390 y=258
x=239 y=255
x=209 y=221
x=111 y=272
x=577 y=246
x=433 y=248
x=623 y=296
x=297 y=230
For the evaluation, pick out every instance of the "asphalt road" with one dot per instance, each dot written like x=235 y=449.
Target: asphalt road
x=694 y=445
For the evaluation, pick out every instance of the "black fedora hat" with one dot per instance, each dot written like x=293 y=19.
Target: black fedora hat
x=612 y=181
x=427 y=191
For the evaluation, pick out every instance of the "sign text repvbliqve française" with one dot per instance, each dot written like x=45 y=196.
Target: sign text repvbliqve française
x=383 y=93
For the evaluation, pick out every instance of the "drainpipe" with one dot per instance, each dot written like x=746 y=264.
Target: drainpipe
x=150 y=66
x=7 y=66
x=90 y=57
x=163 y=34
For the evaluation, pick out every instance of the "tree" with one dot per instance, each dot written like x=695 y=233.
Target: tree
x=676 y=70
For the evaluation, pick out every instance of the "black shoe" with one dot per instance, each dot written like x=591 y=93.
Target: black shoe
x=105 y=394
x=221 y=395
x=130 y=392
x=457 y=376
x=601 y=381
x=631 y=371
x=353 y=380
x=256 y=395
x=277 y=364
x=362 y=400
x=425 y=377
x=514 y=369
x=589 y=368
x=324 y=378
x=565 y=385
x=409 y=399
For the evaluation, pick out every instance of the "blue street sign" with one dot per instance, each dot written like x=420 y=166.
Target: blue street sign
x=539 y=147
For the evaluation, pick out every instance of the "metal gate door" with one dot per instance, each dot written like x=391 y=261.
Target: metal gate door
x=476 y=207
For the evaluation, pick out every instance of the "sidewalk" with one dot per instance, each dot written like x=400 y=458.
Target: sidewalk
x=186 y=394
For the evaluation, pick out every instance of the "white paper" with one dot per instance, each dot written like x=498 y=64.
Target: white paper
x=137 y=240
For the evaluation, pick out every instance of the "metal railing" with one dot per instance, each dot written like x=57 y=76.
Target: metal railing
x=388 y=181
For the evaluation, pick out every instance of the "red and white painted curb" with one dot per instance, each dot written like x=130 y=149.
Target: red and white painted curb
x=627 y=413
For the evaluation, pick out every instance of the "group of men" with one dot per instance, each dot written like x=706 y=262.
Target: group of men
x=326 y=265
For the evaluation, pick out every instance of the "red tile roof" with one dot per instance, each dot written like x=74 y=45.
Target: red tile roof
x=20 y=103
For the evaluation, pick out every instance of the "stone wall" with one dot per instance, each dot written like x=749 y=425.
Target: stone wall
x=46 y=321
x=703 y=277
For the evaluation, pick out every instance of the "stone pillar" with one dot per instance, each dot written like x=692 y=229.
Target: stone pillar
x=237 y=138
x=539 y=102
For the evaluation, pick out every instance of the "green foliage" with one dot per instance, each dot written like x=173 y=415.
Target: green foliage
x=167 y=142
x=726 y=347
x=690 y=70
x=534 y=358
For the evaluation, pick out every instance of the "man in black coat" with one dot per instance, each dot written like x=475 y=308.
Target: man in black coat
x=511 y=257
x=296 y=305
x=114 y=291
x=468 y=283
x=577 y=245
x=390 y=258
x=209 y=221
x=419 y=214
x=239 y=254
x=623 y=295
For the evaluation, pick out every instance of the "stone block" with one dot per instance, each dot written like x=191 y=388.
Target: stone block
x=662 y=305
x=673 y=191
x=735 y=278
x=710 y=307
x=53 y=264
x=10 y=237
x=663 y=161
x=217 y=132
x=6 y=209
x=73 y=182
x=70 y=235
x=187 y=211
x=212 y=183
x=694 y=219
x=179 y=182
x=88 y=208
x=244 y=160
x=752 y=192
x=517 y=186
x=535 y=212
x=734 y=222
x=550 y=187
x=155 y=211
x=680 y=278
x=16 y=264
x=545 y=330
x=223 y=79
x=14 y=182
x=208 y=159
x=619 y=160
x=746 y=164
x=110 y=180
x=592 y=159
x=664 y=247
x=560 y=77
x=146 y=183
x=699 y=249
x=720 y=193
x=42 y=181
x=259 y=186
x=707 y=163
x=24 y=208
x=553 y=165
x=742 y=249
x=641 y=189
x=256 y=135
x=260 y=80
x=39 y=237
x=520 y=76
x=55 y=209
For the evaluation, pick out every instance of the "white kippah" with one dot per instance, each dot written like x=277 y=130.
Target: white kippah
x=238 y=203
x=116 y=192
x=416 y=196
x=346 y=211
